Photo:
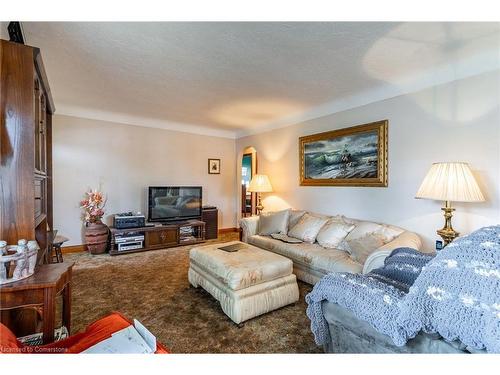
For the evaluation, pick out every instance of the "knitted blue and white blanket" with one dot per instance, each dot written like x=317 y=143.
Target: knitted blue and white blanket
x=456 y=294
x=372 y=297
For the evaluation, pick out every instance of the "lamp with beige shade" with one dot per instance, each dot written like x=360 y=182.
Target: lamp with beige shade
x=450 y=182
x=260 y=184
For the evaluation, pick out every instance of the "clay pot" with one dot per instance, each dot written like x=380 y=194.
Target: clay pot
x=96 y=237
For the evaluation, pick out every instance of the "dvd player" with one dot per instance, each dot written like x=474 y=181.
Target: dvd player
x=130 y=245
x=125 y=239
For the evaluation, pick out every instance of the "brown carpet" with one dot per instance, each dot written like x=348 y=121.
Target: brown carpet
x=153 y=287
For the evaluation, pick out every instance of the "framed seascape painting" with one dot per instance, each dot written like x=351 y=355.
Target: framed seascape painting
x=355 y=156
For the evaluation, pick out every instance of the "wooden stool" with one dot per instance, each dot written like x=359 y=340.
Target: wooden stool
x=54 y=253
x=58 y=241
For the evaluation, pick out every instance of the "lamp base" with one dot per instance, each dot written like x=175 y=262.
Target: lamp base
x=447 y=233
x=259 y=207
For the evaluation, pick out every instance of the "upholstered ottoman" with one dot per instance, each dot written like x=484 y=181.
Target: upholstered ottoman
x=247 y=283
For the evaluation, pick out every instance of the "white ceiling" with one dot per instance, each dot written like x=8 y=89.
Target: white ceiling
x=231 y=79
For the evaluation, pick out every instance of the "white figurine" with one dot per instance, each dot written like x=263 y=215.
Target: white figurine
x=3 y=270
x=33 y=252
x=20 y=259
x=22 y=263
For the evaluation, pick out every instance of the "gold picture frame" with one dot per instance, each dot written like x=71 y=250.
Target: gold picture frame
x=354 y=156
x=213 y=166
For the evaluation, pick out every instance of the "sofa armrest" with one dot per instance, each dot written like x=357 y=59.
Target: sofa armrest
x=249 y=227
x=405 y=239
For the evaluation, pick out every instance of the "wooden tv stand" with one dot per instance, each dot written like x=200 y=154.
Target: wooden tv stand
x=162 y=236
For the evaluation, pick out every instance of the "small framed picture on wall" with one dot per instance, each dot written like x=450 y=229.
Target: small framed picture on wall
x=213 y=166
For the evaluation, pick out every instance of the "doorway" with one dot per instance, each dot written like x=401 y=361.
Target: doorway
x=248 y=170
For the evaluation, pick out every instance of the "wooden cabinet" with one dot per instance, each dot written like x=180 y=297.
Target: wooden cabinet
x=25 y=146
x=160 y=238
x=41 y=289
x=211 y=218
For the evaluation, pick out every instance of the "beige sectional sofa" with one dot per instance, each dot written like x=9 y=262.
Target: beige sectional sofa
x=311 y=261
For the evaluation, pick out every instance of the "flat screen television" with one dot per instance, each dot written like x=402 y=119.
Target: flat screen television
x=174 y=203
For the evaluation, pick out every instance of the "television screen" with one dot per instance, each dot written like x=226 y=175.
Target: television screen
x=168 y=203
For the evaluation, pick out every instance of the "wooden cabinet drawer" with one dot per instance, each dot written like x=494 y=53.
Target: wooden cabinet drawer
x=162 y=237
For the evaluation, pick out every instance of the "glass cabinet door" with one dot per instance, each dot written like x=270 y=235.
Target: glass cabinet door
x=40 y=128
x=37 y=124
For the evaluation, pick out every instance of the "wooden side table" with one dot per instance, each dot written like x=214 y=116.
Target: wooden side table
x=41 y=289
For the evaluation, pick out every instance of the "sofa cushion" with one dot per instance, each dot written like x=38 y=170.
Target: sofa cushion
x=294 y=217
x=308 y=227
x=334 y=232
x=366 y=238
x=311 y=256
x=273 y=222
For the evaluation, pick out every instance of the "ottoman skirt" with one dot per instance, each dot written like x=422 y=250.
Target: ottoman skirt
x=243 y=304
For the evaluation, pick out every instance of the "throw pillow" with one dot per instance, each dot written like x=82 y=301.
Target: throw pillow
x=273 y=222
x=294 y=217
x=366 y=238
x=308 y=227
x=361 y=248
x=348 y=220
x=334 y=232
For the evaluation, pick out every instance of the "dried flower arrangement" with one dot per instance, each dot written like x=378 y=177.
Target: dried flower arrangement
x=93 y=206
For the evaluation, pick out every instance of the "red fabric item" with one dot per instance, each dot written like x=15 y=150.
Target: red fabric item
x=95 y=333
x=8 y=341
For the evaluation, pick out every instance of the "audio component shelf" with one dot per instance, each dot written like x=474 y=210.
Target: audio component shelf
x=156 y=237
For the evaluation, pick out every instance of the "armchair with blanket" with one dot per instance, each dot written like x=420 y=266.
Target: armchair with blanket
x=415 y=303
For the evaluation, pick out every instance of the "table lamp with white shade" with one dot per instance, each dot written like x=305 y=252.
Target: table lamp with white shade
x=450 y=182
x=260 y=184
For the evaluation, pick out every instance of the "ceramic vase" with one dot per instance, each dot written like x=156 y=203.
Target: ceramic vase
x=96 y=237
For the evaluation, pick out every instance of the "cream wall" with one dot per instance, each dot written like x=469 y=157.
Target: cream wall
x=124 y=160
x=459 y=121
x=456 y=121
